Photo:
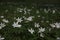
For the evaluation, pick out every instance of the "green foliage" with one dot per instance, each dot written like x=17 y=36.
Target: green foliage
x=11 y=33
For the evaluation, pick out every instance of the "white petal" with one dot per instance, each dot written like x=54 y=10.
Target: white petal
x=4 y=20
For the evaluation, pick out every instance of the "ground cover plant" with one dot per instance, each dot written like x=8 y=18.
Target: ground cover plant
x=24 y=22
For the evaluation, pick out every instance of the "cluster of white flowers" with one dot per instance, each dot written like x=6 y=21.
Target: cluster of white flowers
x=4 y=20
x=15 y=24
x=57 y=25
x=28 y=19
x=2 y=24
x=24 y=9
x=41 y=30
x=47 y=10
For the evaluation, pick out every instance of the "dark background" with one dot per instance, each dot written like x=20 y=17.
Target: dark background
x=52 y=3
x=33 y=1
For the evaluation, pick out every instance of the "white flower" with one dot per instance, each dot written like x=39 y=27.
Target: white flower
x=57 y=25
x=2 y=25
x=24 y=17
x=37 y=25
x=49 y=29
x=25 y=11
x=38 y=15
x=58 y=38
x=53 y=11
x=19 y=9
x=52 y=25
x=6 y=10
x=30 y=18
x=41 y=30
x=37 y=11
x=2 y=16
x=15 y=24
x=28 y=10
x=19 y=19
x=1 y=38
x=46 y=11
x=41 y=35
x=31 y=31
x=4 y=20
